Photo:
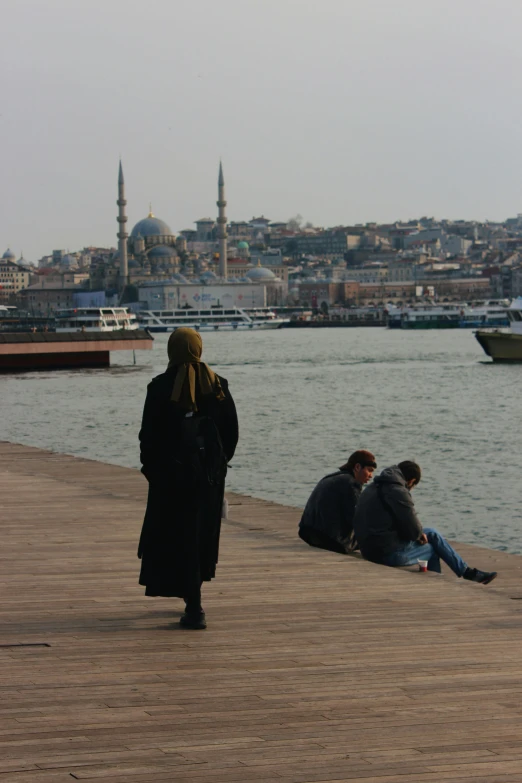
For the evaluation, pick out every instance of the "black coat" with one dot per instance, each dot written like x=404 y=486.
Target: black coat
x=385 y=517
x=179 y=541
x=330 y=509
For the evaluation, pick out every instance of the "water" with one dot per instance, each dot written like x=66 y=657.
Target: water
x=306 y=399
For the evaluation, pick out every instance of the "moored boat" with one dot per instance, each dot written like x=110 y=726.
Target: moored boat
x=486 y=314
x=95 y=319
x=215 y=319
x=449 y=316
x=431 y=317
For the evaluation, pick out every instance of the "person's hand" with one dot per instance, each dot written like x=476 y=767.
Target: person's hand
x=423 y=539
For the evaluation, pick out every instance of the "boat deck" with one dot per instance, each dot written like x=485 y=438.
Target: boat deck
x=315 y=667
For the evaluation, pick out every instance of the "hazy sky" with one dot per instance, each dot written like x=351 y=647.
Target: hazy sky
x=342 y=110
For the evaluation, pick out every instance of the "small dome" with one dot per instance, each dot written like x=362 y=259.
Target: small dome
x=161 y=253
x=150 y=227
x=9 y=255
x=260 y=273
x=133 y=264
x=243 y=246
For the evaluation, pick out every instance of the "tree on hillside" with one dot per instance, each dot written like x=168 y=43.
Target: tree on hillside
x=295 y=223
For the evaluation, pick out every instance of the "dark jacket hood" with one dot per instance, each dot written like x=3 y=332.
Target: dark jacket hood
x=392 y=475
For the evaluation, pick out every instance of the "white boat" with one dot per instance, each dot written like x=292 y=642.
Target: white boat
x=95 y=319
x=215 y=319
x=488 y=314
x=448 y=316
x=503 y=345
x=431 y=317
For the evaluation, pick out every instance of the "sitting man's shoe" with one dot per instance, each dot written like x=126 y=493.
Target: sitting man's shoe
x=482 y=577
x=194 y=620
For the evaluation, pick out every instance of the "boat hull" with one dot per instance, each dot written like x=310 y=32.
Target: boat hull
x=501 y=346
x=430 y=325
x=245 y=327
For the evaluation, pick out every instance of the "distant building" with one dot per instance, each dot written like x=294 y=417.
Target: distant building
x=259 y=223
x=368 y=274
x=14 y=276
x=52 y=292
x=206 y=230
x=169 y=295
x=326 y=243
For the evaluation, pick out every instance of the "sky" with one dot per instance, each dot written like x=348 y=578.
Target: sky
x=344 y=111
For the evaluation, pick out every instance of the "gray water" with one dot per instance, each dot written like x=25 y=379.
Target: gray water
x=306 y=399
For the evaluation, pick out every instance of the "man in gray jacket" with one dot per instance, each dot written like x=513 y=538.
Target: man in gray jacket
x=389 y=531
x=327 y=519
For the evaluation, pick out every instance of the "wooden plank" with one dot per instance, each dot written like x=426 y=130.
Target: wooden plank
x=314 y=667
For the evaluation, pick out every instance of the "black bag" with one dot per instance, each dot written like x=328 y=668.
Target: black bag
x=202 y=449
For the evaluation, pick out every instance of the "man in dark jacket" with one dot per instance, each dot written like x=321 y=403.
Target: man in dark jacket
x=389 y=532
x=327 y=519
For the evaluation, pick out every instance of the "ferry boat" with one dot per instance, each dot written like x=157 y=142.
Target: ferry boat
x=95 y=319
x=446 y=316
x=222 y=319
x=503 y=345
x=431 y=317
x=486 y=314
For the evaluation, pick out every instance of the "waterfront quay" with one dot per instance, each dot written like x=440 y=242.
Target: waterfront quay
x=48 y=351
x=314 y=667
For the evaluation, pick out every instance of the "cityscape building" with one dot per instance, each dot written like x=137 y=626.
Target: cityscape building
x=400 y=261
x=14 y=276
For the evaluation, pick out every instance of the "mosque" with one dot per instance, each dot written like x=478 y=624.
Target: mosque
x=152 y=250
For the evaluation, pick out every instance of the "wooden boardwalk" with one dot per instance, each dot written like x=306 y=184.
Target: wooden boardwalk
x=315 y=667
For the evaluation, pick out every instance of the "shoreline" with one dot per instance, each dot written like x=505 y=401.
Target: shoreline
x=277 y=512
x=263 y=499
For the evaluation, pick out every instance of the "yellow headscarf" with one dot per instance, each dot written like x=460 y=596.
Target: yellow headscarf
x=185 y=347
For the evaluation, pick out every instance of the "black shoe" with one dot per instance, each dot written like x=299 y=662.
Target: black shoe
x=482 y=577
x=194 y=620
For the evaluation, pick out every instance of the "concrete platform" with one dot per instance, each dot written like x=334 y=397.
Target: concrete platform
x=315 y=667
x=63 y=350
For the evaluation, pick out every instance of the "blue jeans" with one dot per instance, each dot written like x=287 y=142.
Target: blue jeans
x=434 y=551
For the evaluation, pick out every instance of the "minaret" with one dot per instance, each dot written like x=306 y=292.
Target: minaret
x=122 y=234
x=222 y=224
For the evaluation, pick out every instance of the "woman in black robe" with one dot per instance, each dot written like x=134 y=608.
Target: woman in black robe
x=179 y=540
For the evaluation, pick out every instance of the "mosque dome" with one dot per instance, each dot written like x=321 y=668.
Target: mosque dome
x=9 y=255
x=151 y=227
x=208 y=277
x=133 y=264
x=242 y=246
x=161 y=253
x=260 y=273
